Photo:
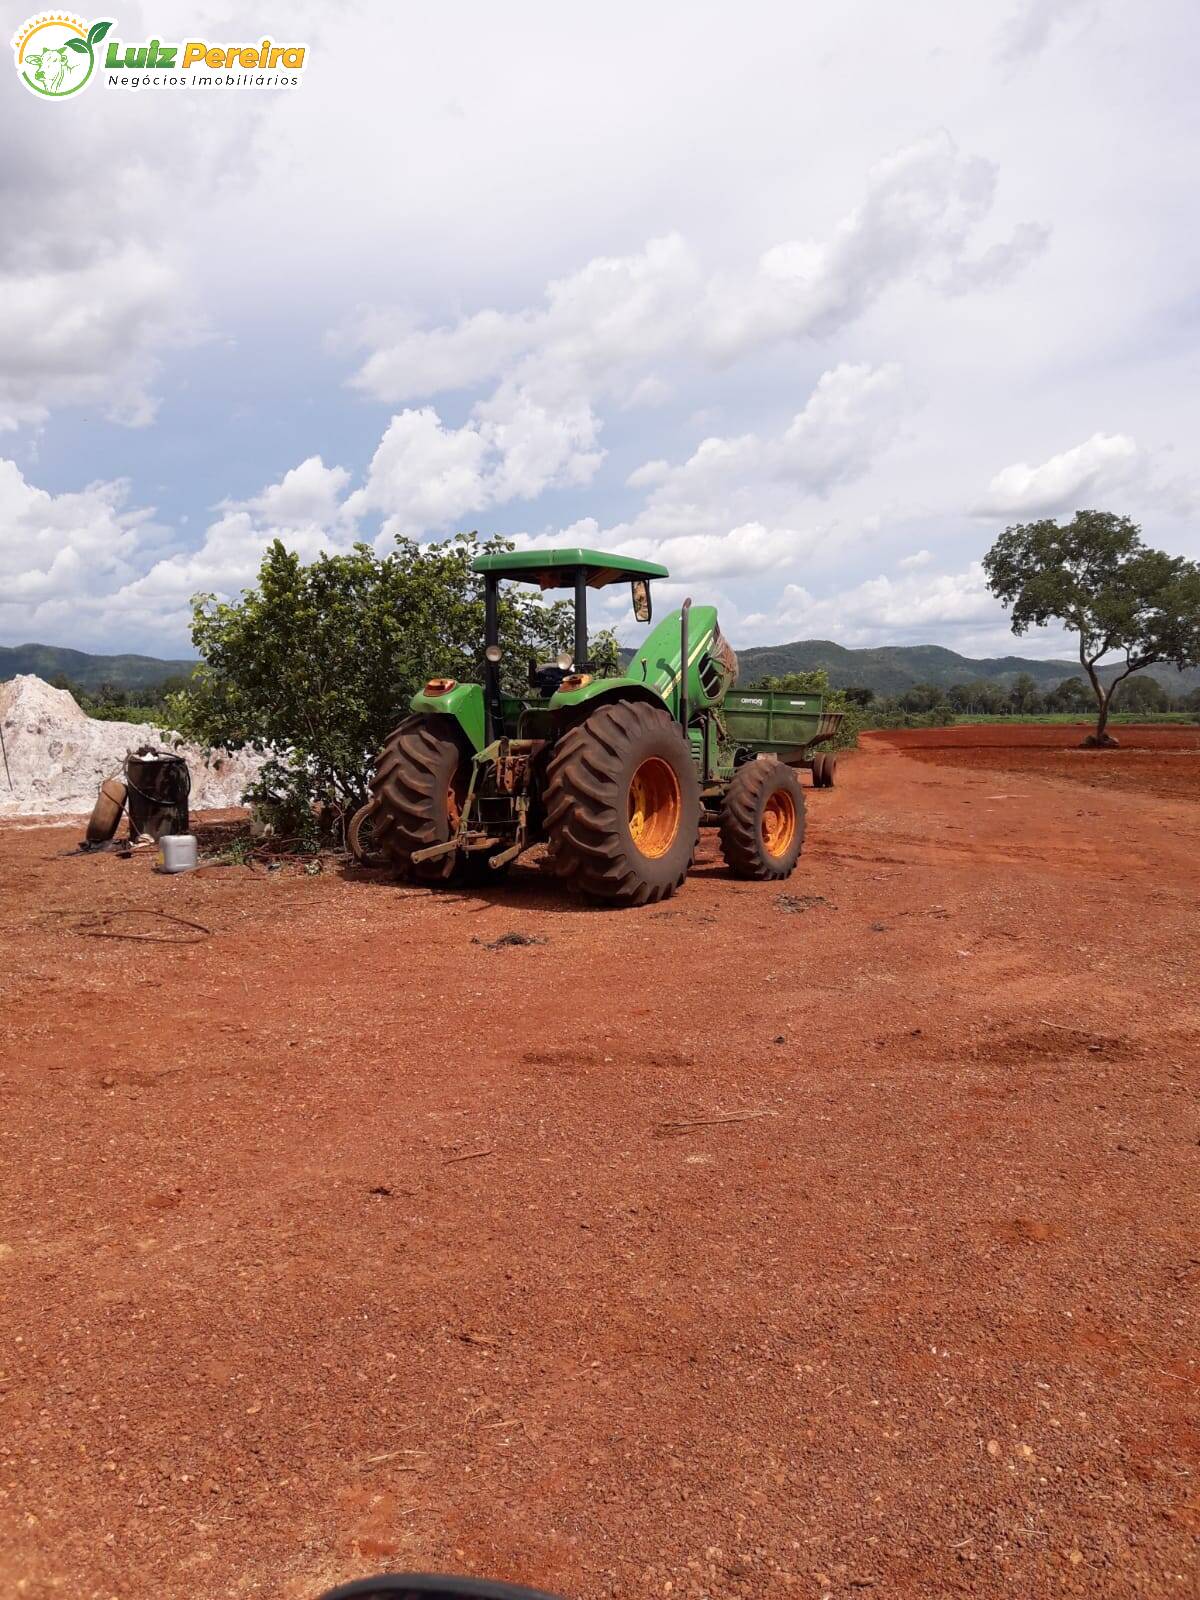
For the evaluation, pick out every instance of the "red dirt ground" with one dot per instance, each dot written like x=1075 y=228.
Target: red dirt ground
x=337 y=1241
x=1162 y=759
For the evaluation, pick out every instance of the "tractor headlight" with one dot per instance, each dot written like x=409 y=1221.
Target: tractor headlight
x=493 y=654
x=563 y=659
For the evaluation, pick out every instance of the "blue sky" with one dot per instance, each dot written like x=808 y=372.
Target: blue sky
x=807 y=305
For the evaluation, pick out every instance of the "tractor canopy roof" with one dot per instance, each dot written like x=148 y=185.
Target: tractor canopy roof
x=556 y=569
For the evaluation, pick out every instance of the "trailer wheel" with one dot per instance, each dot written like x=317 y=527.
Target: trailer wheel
x=762 y=821
x=830 y=770
x=623 y=804
x=420 y=783
x=818 y=769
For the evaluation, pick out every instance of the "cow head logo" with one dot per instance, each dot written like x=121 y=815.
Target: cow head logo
x=56 y=53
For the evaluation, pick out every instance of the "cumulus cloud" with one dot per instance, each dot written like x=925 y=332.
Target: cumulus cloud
x=885 y=610
x=601 y=327
x=425 y=476
x=1101 y=463
x=1000 y=263
x=307 y=496
x=61 y=547
x=91 y=563
x=851 y=415
x=85 y=333
x=601 y=333
x=1027 y=30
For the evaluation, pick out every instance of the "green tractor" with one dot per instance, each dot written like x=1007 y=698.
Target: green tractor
x=615 y=774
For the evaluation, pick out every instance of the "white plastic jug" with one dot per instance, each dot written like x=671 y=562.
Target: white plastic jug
x=177 y=852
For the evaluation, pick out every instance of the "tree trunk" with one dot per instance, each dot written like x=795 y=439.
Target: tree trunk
x=1101 y=739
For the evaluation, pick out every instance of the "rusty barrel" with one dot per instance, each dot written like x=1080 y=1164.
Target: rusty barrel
x=158 y=784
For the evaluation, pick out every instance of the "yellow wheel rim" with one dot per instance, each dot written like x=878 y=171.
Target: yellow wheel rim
x=655 y=807
x=778 y=823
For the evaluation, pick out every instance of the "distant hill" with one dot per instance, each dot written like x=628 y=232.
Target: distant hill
x=888 y=670
x=891 y=669
x=122 y=672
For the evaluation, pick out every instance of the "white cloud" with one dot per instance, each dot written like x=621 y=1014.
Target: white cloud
x=600 y=327
x=1000 y=263
x=851 y=416
x=1028 y=30
x=881 y=610
x=919 y=558
x=86 y=566
x=1099 y=464
x=307 y=496
x=919 y=210
x=86 y=333
x=601 y=331
x=425 y=476
x=61 y=548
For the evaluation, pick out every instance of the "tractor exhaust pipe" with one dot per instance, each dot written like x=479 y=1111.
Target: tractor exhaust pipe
x=683 y=665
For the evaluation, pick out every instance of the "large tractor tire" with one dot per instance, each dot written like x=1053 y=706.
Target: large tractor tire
x=420 y=783
x=762 y=821
x=623 y=804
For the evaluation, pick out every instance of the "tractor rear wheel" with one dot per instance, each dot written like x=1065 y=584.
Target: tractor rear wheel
x=622 y=802
x=762 y=821
x=417 y=793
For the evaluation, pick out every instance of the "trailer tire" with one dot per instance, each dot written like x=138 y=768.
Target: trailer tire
x=623 y=805
x=830 y=774
x=818 y=769
x=420 y=781
x=762 y=821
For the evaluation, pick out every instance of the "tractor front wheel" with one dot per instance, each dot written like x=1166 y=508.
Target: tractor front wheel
x=762 y=821
x=623 y=804
x=417 y=793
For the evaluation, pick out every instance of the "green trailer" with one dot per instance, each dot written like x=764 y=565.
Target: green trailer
x=784 y=724
x=616 y=775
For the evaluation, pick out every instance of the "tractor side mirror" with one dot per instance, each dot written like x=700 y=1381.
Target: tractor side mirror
x=642 y=609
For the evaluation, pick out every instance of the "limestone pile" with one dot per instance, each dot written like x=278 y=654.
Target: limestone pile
x=58 y=756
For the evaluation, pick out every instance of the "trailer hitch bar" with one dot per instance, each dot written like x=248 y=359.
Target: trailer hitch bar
x=475 y=841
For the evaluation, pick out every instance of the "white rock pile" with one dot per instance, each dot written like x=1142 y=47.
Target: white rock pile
x=58 y=756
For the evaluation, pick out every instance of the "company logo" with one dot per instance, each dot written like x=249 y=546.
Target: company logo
x=56 y=53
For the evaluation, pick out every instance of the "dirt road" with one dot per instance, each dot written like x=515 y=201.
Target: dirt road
x=838 y=1240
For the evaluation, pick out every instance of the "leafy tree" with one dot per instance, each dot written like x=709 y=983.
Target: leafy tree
x=922 y=697
x=1024 y=698
x=1072 y=694
x=315 y=665
x=1096 y=577
x=1144 y=694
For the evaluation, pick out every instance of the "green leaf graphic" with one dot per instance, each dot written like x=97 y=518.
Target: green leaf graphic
x=77 y=44
x=97 y=31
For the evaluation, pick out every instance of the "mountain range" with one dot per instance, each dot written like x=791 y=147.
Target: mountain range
x=90 y=672
x=888 y=669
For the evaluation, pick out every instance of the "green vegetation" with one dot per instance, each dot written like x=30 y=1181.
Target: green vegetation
x=316 y=664
x=108 y=702
x=1096 y=577
x=929 y=705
